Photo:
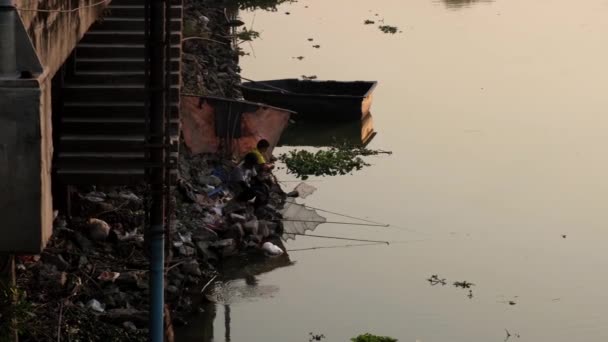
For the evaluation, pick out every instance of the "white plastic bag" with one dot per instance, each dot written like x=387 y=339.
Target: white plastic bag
x=271 y=249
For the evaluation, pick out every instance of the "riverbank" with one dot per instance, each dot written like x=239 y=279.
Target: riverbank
x=91 y=283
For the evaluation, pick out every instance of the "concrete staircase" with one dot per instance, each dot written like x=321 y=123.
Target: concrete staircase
x=103 y=126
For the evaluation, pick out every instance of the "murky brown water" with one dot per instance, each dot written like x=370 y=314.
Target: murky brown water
x=496 y=113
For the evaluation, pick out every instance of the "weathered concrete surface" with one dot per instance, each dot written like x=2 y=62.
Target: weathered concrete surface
x=55 y=34
x=25 y=165
x=54 y=28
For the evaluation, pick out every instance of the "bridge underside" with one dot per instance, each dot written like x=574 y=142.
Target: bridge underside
x=36 y=39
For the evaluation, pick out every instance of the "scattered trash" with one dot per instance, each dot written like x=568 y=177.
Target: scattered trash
x=96 y=306
x=316 y=46
x=129 y=326
x=310 y=39
x=108 y=276
x=95 y=197
x=309 y=78
x=98 y=229
x=238 y=218
x=223 y=243
x=563 y=236
x=369 y=22
x=287 y=13
x=298 y=58
x=272 y=249
x=470 y=295
x=185 y=237
x=129 y=196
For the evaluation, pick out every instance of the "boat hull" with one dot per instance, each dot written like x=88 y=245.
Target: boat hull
x=315 y=106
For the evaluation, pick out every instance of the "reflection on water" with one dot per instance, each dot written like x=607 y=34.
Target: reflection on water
x=457 y=4
x=319 y=135
x=498 y=128
x=238 y=285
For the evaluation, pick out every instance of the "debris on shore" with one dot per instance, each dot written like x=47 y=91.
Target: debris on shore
x=91 y=281
x=388 y=29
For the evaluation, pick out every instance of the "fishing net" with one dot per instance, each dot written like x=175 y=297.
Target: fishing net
x=297 y=219
x=304 y=190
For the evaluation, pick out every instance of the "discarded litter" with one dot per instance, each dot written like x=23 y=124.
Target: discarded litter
x=96 y=306
x=108 y=276
x=271 y=249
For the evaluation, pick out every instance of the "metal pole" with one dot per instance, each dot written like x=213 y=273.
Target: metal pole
x=156 y=50
x=8 y=53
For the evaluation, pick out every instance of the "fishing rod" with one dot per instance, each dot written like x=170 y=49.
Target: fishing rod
x=336 y=222
x=343 y=215
x=376 y=223
x=266 y=85
x=299 y=181
x=338 y=246
x=340 y=238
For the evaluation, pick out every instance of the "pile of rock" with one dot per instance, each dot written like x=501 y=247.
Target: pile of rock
x=210 y=59
x=225 y=226
x=93 y=272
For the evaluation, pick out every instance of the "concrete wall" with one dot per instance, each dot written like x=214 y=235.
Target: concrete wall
x=26 y=152
x=26 y=140
x=55 y=34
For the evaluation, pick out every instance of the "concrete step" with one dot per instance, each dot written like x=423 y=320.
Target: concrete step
x=128 y=24
x=122 y=37
x=137 y=11
x=117 y=64
x=115 y=77
x=109 y=126
x=110 y=92
x=101 y=143
x=105 y=175
x=116 y=160
x=139 y=2
x=121 y=160
x=127 y=143
x=118 y=51
x=110 y=110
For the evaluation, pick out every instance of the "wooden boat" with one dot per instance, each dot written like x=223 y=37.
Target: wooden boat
x=355 y=133
x=314 y=100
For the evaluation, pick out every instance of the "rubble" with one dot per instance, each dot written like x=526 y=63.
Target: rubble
x=98 y=230
x=94 y=269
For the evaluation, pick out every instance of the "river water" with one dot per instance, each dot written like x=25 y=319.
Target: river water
x=496 y=114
